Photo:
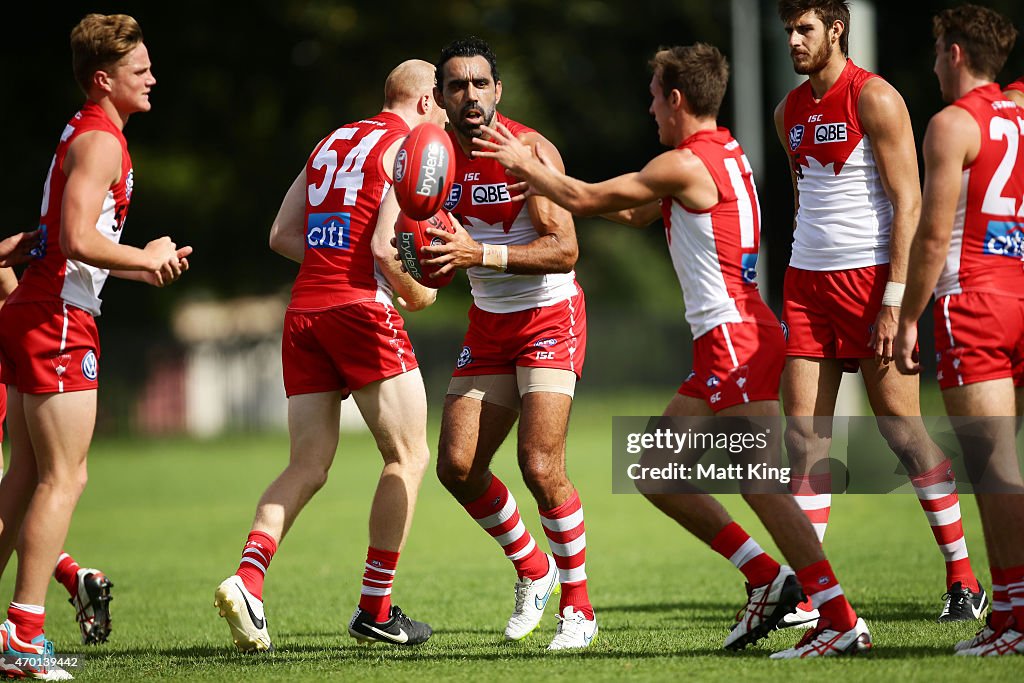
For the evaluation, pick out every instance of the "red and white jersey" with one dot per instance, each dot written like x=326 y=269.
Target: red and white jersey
x=346 y=183
x=481 y=201
x=987 y=245
x=715 y=251
x=844 y=216
x=55 y=276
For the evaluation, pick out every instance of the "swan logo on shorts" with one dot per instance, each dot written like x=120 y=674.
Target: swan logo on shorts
x=465 y=358
x=796 y=136
x=785 y=329
x=454 y=195
x=89 y=366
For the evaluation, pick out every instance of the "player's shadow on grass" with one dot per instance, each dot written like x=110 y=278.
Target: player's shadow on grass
x=895 y=610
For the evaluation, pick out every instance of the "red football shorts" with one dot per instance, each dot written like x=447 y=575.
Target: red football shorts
x=344 y=348
x=738 y=362
x=832 y=313
x=48 y=347
x=979 y=337
x=546 y=337
x=3 y=412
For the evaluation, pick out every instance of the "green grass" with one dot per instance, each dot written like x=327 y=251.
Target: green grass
x=167 y=518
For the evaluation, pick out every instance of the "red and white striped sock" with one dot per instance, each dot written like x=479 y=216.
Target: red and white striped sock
x=736 y=545
x=568 y=540
x=813 y=493
x=826 y=595
x=496 y=512
x=1002 y=609
x=378 y=576
x=66 y=573
x=1015 y=590
x=256 y=556
x=28 y=620
x=936 y=491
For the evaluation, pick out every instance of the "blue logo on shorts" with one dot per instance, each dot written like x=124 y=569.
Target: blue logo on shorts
x=465 y=358
x=453 y=197
x=713 y=381
x=785 y=329
x=89 y=366
x=327 y=230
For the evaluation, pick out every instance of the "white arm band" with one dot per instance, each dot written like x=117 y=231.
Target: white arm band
x=495 y=256
x=893 y=295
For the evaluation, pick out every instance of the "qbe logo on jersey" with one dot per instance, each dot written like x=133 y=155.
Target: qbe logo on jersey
x=496 y=193
x=327 y=230
x=825 y=133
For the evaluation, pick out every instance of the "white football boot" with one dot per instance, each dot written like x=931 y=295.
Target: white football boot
x=244 y=614
x=531 y=598
x=574 y=630
x=825 y=641
x=766 y=605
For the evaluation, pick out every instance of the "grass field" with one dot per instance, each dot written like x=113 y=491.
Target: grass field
x=166 y=520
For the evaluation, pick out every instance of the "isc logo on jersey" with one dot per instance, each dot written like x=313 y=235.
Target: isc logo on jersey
x=327 y=230
x=825 y=133
x=496 y=193
x=1005 y=238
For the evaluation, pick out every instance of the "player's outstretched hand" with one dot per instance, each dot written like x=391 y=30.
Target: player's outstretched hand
x=20 y=248
x=905 y=349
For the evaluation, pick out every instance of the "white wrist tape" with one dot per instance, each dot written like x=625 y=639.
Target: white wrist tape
x=495 y=256
x=893 y=295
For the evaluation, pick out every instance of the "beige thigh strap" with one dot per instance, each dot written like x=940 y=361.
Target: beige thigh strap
x=546 y=379
x=497 y=389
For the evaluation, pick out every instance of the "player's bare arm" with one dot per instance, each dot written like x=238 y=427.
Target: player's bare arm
x=288 y=233
x=951 y=139
x=1015 y=95
x=18 y=248
x=780 y=130
x=883 y=113
x=8 y=281
x=92 y=164
x=412 y=296
x=639 y=217
x=674 y=173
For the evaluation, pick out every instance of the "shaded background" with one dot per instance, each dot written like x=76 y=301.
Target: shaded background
x=244 y=91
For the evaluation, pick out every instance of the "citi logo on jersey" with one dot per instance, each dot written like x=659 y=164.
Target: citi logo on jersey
x=1004 y=238
x=496 y=193
x=327 y=230
x=825 y=133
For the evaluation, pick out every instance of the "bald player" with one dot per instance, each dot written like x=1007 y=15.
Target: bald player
x=343 y=336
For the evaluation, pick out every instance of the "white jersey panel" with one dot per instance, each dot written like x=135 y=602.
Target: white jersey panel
x=844 y=220
x=695 y=258
x=497 y=292
x=82 y=282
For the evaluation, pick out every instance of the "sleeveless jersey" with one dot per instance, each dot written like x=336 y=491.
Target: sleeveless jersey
x=56 y=277
x=987 y=245
x=715 y=251
x=346 y=182
x=480 y=200
x=844 y=216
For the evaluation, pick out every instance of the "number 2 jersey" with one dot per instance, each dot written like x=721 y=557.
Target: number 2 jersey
x=987 y=243
x=844 y=215
x=714 y=251
x=345 y=184
x=480 y=199
x=56 y=277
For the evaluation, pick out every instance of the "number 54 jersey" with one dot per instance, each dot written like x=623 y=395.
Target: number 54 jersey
x=345 y=184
